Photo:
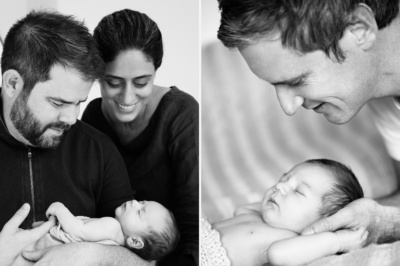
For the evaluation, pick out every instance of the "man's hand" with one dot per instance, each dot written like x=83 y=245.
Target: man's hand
x=84 y=254
x=359 y=213
x=13 y=240
x=351 y=239
x=66 y=254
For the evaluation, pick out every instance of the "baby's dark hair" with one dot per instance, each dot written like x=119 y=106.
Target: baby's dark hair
x=345 y=189
x=158 y=243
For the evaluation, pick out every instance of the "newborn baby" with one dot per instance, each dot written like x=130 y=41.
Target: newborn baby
x=147 y=228
x=268 y=232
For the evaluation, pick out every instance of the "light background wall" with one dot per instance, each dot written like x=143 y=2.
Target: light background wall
x=178 y=21
x=210 y=18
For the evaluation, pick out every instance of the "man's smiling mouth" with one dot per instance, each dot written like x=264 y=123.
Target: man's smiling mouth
x=317 y=109
x=312 y=107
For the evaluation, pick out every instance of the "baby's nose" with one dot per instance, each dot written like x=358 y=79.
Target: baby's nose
x=280 y=188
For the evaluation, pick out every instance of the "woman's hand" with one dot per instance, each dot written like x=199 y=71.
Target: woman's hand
x=364 y=212
x=351 y=239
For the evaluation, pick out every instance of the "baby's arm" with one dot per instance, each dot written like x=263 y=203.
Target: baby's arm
x=92 y=230
x=251 y=208
x=304 y=249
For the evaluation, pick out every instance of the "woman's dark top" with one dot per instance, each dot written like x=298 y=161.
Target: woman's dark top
x=163 y=164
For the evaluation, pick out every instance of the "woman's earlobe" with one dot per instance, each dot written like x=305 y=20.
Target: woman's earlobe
x=135 y=242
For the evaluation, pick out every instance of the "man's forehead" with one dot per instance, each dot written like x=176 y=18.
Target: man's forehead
x=66 y=86
x=272 y=62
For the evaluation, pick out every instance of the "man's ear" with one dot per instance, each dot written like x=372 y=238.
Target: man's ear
x=135 y=242
x=12 y=83
x=363 y=28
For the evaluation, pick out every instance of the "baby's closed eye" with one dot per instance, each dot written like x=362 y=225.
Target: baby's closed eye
x=299 y=192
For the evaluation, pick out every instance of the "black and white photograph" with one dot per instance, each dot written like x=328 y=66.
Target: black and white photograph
x=99 y=132
x=200 y=132
x=300 y=133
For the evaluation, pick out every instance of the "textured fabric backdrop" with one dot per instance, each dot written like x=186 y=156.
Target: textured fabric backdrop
x=248 y=142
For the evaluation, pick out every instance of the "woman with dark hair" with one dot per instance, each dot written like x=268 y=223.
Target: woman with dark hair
x=155 y=128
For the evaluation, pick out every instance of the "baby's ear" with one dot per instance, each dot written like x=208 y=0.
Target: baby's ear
x=135 y=242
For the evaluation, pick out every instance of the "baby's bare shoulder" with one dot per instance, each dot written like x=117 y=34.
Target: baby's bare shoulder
x=106 y=222
x=110 y=220
x=277 y=233
x=243 y=219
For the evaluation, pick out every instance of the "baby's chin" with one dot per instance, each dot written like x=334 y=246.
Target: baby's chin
x=272 y=221
x=270 y=218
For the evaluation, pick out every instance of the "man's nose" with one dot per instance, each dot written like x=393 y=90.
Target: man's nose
x=289 y=101
x=69 y=115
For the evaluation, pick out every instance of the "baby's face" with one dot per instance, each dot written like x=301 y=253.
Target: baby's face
x=137 y=217
x=294 y=202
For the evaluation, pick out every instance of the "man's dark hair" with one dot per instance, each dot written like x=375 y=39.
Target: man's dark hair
x=158 y=243
x=345 y=188
x=305 y=25
x=43 y=39
x=126 y=30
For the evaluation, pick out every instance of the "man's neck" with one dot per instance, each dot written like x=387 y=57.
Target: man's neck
x=388 y=54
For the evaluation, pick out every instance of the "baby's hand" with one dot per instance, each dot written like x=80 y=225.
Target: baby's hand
x=351 y=239
x=53 y=208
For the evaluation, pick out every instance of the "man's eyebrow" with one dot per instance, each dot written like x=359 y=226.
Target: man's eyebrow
x=293 y=81
x=61 y=100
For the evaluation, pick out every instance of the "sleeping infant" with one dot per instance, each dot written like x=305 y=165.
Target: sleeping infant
x=147 y=228
x=268 y=232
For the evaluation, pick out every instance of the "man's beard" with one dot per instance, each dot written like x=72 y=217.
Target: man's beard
x=30 y=127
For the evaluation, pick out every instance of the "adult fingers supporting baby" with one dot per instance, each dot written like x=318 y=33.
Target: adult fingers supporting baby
x=33 y=255
x=42 y=229
x=36 y=224
x=13 y=224
x=39 y=223
x=342 y=219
